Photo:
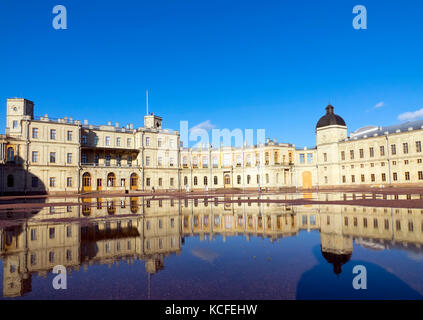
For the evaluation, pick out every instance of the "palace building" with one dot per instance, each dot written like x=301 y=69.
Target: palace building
x=45 y=155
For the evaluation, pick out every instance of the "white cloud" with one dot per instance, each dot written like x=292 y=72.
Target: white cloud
x=379 y=105
x=205 y=125
x=411 y=115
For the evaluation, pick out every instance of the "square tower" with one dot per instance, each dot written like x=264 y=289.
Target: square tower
x=152 y=121
x=18 y=109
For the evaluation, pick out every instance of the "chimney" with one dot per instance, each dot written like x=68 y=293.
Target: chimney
x=85 y=121
x=117 y=124
x=109 y=123
x=131 y=126
x=70 y=120
x=127 y=126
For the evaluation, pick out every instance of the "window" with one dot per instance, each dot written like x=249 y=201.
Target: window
x=407 y=176
x=185 y=161
x=309 y=157
x=69 y=182
x=302 y=158
x=159 y=161
x=372 y=177
x=352 y=154
x=107 y=141
x=325 y=157
x=95 y=140
x=361 y=153
x=383 y=177
x=159 y=142
x=69 y=136
x=353 y=179
x=52 y=182
x=420 y=174
x=147 y=181
x=215 y=164
x=52 y=157
x=342 y=155
x=34 y=156
x=34 y=182
x=171 y=182
x=96 y=158
x=238 y=179
x=205 y=180
x=372 y=152
x=69 y=158
x=35 y=133
x=129 y=161
x=382 y=151
x=393 y=149
x=33 y=234
x=405 y=147
x=108 y=158
x=15 y=124
x=171 y=143
x=118 y=160
x=185 y=181
x=395 y=176
x=362 y=178
x=118 y=141
x=111 y=179
x=128 y=142
x=147 y=160
x=10 y=154
x=160 y=182
x=204 y=161
x=344 y=179
x=53 y=134
x=215 y=180
x=85 y=139
x=147 y=141
x=195 y=181
x=10 y=181
x=418 y=146
x=84 y=158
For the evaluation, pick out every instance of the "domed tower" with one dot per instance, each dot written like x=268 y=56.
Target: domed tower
x=330 y=130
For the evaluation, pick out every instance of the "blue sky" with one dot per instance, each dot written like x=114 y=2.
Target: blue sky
x=237 y=64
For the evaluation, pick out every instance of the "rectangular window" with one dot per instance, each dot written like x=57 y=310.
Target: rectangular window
x=95 y=140
x=372 y=152
x=128 y=142
x=118 y=141
x=52 y=157
x=108 y=157
x=69 y=136
x=159 y=161
x=352 y=154
x=373 y=177
x=33 y=234
x=51 y=233
x=302 y=158
x=342 y=155
x=147 y=141
x=147 y=160
x=34 y=182
x=309 y=157
x=405 y=147
x=147 y=181
x=382 y=151
x=361 y=153
x=420 y=174
x=15 y=124
x=107 y=141
x=52 y=182
x=325 y=157
x=69 y=182
x=393 y=149
x=129 y=161
x=407 y=176
x=35 y=133
x=362 y=178
x=84 y=158
x=53 y=134
x=353 y=179
x=383 y=177
x=69 y=158
x=418 y=146
x=159 y=142
x=34 y=156
x=395 y=176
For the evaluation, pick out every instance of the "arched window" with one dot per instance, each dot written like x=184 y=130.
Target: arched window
x=215 y=180
x=205 y=180
x=111 y=179
x=134 y=181
x=238 y=179
x=195 y=181
x=10 y=181
x=185 y=180
x=10 y=154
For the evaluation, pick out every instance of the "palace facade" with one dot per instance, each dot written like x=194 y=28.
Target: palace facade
x=45 y=155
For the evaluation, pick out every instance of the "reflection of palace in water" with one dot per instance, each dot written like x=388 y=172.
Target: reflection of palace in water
x=108 y=231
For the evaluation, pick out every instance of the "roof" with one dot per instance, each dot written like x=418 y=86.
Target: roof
x=373 y=131
x=330 y=119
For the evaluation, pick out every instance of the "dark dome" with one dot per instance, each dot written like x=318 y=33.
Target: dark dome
x=330 y=119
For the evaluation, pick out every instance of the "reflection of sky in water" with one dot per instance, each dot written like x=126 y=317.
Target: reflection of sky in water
x=233 y=268
x=296 y=264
